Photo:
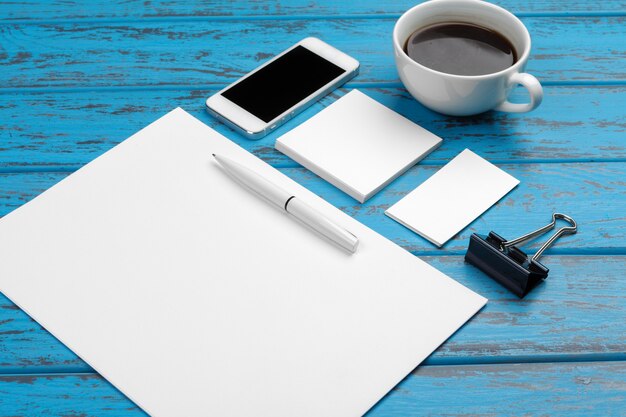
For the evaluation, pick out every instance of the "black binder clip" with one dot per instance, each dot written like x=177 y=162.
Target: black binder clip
x=509 y=265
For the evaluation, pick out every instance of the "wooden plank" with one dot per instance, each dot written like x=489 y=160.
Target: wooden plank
x=47 y=10
x=579 y=292
x=593 y=193
x=48 y=130
x=577 y=313
x=26 y=346
x=573 y=389
x=63 y=395
x=202 y=53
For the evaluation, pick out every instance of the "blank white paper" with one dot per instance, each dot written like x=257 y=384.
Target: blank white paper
x=196 y=298
x=452 y=198
x=358 y=145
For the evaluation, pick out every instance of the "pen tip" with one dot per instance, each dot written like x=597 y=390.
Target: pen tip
x=213 y=155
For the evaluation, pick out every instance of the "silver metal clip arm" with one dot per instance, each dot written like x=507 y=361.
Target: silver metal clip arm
x=562 y=231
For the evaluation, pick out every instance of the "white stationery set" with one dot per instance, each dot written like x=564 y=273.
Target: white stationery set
x=358 y=145
x=195 y=299
x=452 y=198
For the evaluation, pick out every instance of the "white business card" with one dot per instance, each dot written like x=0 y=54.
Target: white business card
x=452 y=198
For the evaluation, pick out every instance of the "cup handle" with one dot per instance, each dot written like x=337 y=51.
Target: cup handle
x=534 y=89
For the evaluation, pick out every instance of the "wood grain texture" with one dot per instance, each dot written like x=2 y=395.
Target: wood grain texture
x=64 y=130
x=62 y=396
x=577 y=313
x=79 y=77
x=544 y=189
x=592 y=193
x=202 y=53
x=572 y=389
x=585 y=389
x=99 y=9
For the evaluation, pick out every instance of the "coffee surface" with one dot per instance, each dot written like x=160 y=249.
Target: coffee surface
x=461 y=49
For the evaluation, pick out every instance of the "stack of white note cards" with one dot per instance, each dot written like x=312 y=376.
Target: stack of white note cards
x=452 y=198
x=358 y=145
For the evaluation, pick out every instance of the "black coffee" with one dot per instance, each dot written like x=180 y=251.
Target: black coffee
x=461 y=49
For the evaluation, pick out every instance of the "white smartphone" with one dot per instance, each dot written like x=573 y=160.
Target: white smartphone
x=276 y=91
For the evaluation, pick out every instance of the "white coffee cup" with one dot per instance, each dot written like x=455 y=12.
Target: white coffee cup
x=463 y=95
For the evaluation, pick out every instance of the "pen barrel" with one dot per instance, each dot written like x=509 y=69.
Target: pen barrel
x=322 y=224
x=254 y=181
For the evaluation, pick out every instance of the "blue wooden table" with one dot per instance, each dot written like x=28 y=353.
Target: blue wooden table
x=78 y=78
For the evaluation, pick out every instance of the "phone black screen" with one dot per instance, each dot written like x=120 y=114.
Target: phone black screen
x=283 y=83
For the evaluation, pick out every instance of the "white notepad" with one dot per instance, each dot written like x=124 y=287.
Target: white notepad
x=358 y=145
x=197 y=298
x=452 y=198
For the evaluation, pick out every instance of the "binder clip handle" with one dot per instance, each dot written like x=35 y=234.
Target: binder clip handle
x=506 y=263
x=567 y=230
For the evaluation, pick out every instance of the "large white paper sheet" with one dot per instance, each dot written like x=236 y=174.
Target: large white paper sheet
x=196 y=298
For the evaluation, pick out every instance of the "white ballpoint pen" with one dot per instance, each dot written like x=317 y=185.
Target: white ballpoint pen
x=289 y=203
